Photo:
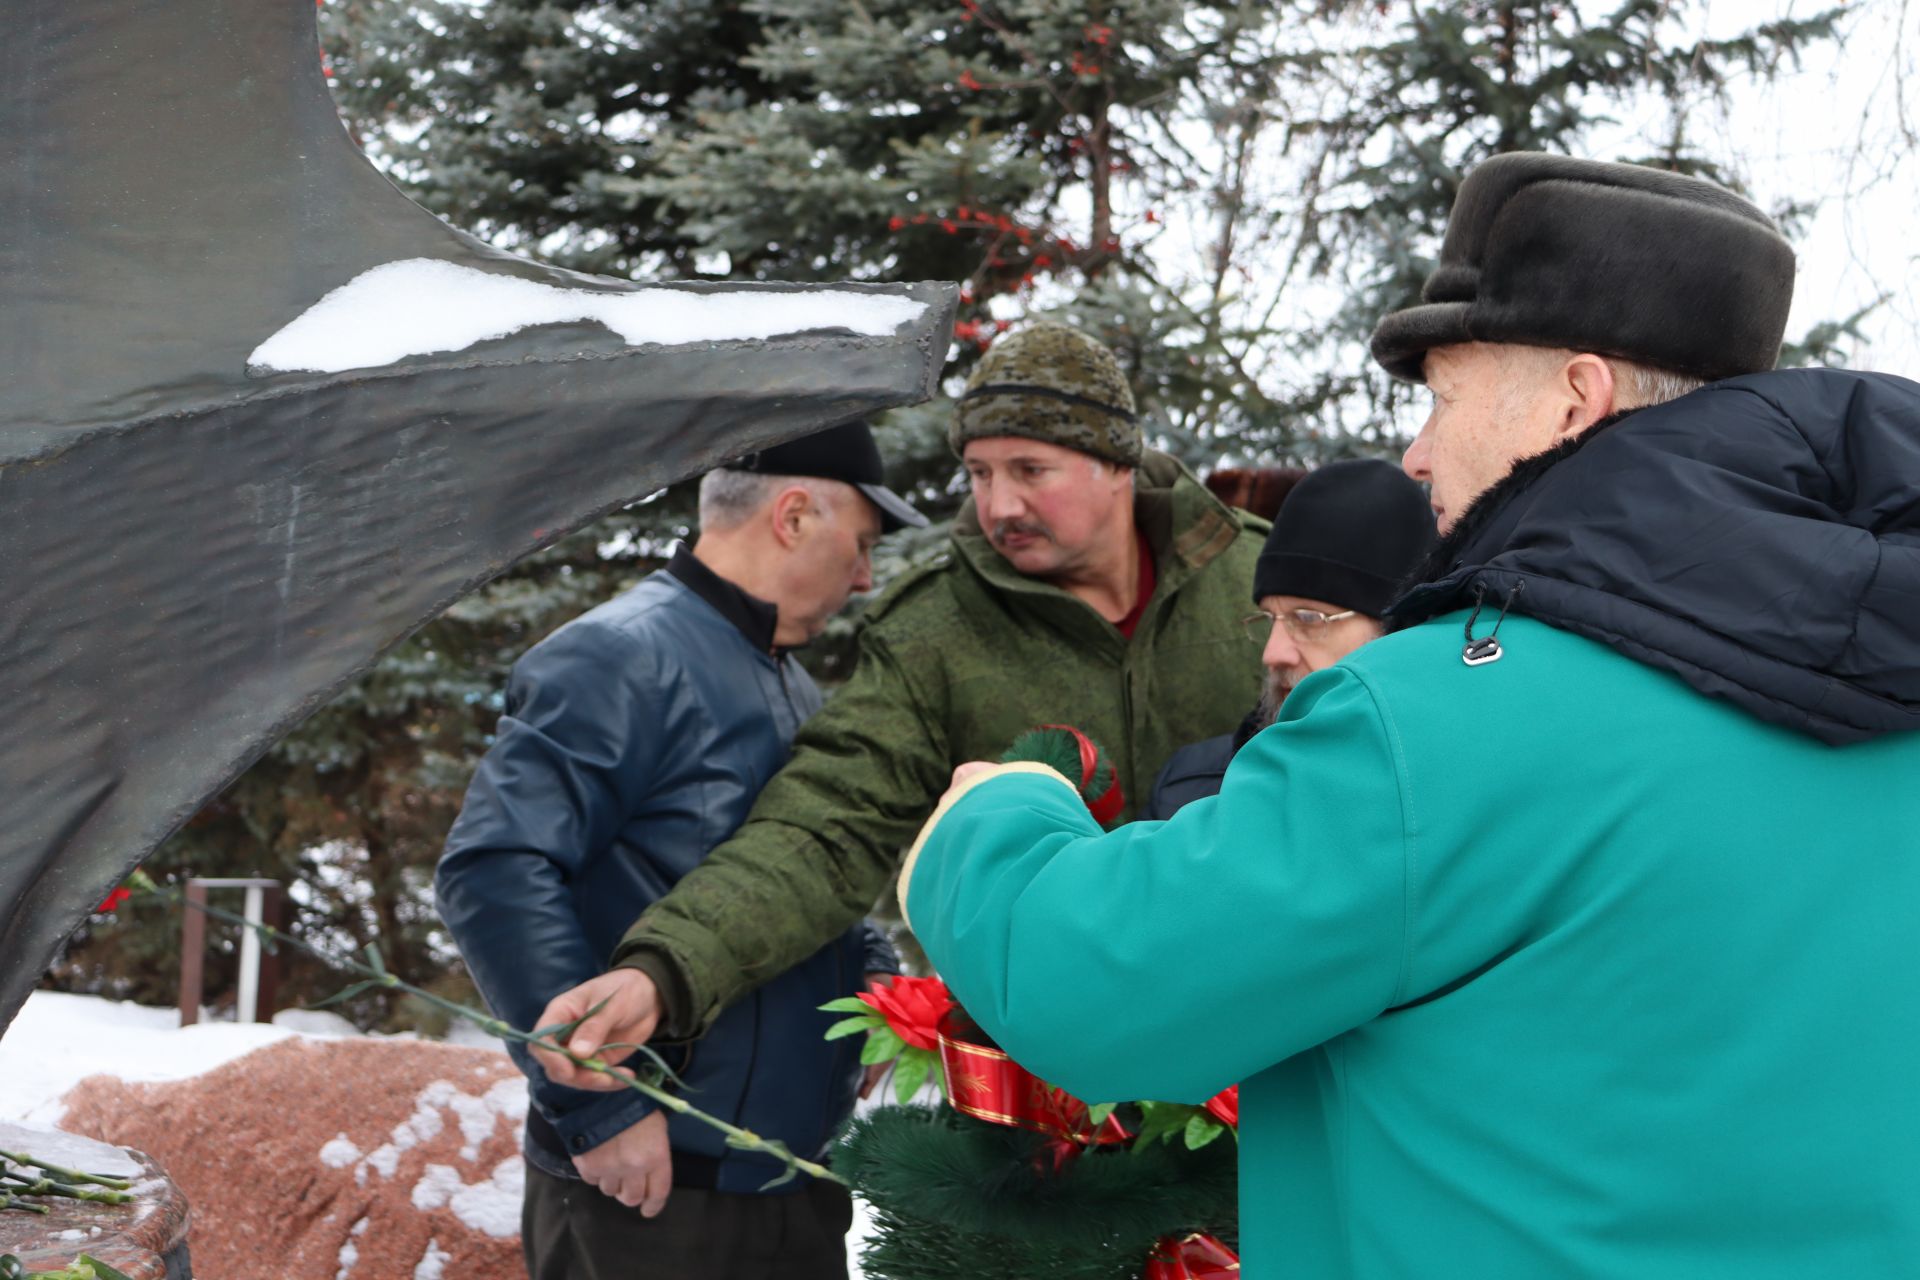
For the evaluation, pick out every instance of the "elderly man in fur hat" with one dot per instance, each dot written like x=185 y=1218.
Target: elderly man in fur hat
x=1569 y=930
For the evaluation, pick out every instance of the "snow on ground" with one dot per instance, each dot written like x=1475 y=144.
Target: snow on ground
x=58 y=1040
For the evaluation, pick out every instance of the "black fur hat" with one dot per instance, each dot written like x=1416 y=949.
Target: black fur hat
x=1617 y=259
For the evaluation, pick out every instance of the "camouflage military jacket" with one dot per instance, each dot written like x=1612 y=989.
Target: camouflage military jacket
x=955 y=661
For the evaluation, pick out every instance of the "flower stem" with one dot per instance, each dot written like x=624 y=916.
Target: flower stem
x=375 y=974
x=25 y=1186
x=65 y=1174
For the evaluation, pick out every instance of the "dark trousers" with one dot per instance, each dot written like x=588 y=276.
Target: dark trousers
x=571 y=1231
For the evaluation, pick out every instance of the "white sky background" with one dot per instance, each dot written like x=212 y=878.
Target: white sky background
x=1841 y=130
x=1835 y=131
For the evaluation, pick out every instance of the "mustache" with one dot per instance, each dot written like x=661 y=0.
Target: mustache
x=1031 y=528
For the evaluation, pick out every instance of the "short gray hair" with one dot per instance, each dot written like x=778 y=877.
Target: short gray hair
x=1641 y=386
x=729 y=498
x=1635 y=385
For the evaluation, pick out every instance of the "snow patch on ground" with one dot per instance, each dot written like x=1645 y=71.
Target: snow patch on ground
x=57 y=1040
x=492 y=1206
x=437 y=1184
x=420 y=306
x=478 y=1116
x=323 y=1023
x=350 y=1251
x=432 y=1263
x=339 y=1153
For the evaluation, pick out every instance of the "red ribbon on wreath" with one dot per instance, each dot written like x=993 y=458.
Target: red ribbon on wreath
x=1106 y=806
x=983 y=1082
x=1195 y=1257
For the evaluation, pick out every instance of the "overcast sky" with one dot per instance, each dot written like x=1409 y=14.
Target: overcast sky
x=1834 y=132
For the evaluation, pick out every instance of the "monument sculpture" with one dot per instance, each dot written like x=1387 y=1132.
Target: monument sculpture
x=261 y=416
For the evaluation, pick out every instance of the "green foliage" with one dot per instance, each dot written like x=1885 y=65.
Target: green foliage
x=910 y=1071
x=953 y=1197
x=1175 y=1122
x=883 y=1045
x=853 y=1026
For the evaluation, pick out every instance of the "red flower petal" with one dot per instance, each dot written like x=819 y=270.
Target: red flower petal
x=913 y=1008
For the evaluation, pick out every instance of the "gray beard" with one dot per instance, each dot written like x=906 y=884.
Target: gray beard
x=1273 y=692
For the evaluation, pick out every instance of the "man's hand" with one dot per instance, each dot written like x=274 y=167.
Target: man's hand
x=635 y=1166
x=960 y=775
x=962 y=772
x=632 y=1008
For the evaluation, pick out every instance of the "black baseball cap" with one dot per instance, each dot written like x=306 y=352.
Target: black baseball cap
x=846 y=453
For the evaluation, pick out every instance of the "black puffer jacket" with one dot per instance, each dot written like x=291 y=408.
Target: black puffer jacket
x=1759 y=538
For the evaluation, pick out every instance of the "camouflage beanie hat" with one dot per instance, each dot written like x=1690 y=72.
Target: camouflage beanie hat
x=1049 y=381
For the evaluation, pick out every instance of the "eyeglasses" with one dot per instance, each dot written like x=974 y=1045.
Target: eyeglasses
x=1301 y=624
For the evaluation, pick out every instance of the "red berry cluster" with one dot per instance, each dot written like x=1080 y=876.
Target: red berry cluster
x=980 y=333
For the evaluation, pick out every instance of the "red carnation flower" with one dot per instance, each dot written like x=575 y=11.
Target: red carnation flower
x=913 y=1008
x=113 y=900
x=1224 y=1106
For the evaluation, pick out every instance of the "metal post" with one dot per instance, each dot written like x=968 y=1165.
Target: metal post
x=250 y=961
x=273 y=909
x=193 y=953
x=259 y=975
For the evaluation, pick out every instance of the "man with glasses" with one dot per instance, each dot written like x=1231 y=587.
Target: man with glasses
x=1342 y=544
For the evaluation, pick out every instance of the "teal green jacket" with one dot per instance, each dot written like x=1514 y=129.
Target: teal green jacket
x=1545 y=968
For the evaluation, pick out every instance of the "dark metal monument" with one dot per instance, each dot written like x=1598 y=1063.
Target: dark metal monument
x=261 y=417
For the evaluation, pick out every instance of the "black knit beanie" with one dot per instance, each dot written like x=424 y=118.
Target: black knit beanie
x=1348 y=534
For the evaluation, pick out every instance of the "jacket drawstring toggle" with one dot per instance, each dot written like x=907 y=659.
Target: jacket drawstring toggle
x=1485 y=649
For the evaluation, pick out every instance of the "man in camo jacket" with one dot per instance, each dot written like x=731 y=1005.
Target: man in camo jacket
x=1090 y=582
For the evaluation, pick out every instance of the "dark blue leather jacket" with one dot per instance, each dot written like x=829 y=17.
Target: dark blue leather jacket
x=635 y=740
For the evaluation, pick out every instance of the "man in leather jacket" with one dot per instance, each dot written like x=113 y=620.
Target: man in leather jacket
x=635 y=739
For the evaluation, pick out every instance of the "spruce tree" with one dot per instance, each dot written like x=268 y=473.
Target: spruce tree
x=1418 y=99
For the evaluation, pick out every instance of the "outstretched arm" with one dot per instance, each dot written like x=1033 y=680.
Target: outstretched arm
x=818 y=849
x=1170 y=959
